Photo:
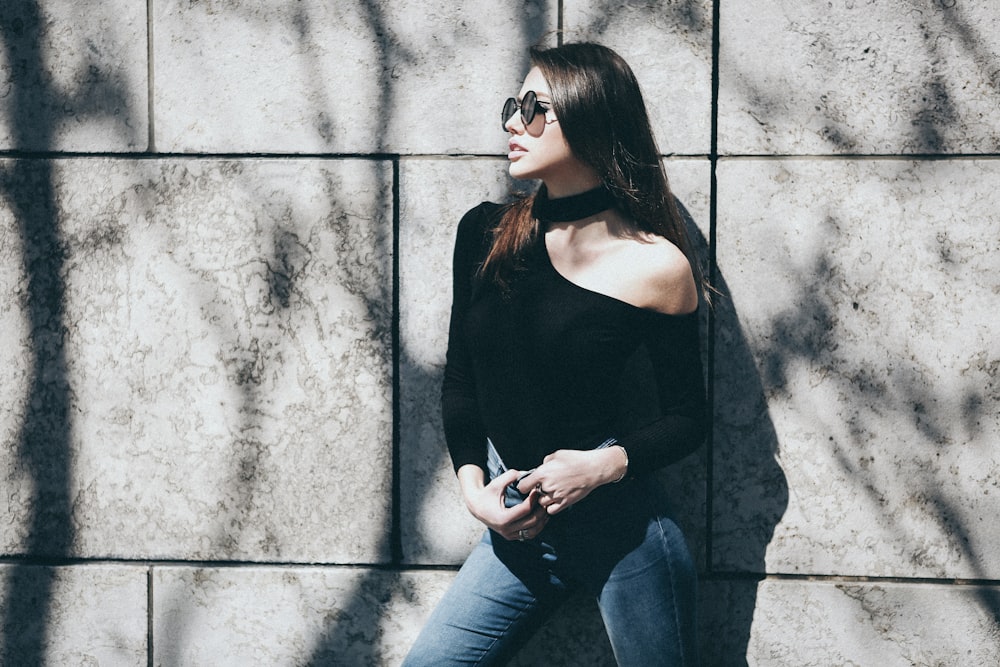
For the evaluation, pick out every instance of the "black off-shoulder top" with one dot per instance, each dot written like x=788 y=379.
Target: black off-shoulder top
x=550 y=365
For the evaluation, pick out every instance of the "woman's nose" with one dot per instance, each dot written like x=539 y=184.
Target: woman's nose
x=514 y=123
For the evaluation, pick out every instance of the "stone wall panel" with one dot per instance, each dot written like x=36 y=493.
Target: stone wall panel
x=73 y=77
x=345 y=77
x=224 y=340
x=288 y=616
x=859 y=78
x=816 y=624
x=96 y=615
x=669 y=47
x=872 y=323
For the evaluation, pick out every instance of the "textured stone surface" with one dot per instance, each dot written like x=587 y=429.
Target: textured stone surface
x=815 y=624
x=669 y=47
x=859 y=77
x=289 y=616
x=314 y=76
x=217 y=380
x=80 y=615
x=198 y=366
x=73 y=76
x=436 y=528
x=869 y=297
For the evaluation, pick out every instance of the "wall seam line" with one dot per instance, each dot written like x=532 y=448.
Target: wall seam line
x=560 y=21
x=396 y=530
x=775 y=157
x=713 y=159
x=150 y=118
x=149 y=616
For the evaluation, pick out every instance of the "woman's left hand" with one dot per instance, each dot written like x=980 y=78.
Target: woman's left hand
x=567 y=476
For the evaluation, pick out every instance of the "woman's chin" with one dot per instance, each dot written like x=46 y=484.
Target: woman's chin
x=519 y=172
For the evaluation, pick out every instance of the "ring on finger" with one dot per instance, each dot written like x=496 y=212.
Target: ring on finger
x=522 y=535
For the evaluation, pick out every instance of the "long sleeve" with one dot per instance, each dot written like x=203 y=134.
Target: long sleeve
x=465 y=433
x=670 y=381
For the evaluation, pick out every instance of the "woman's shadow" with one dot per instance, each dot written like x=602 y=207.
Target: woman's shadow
x=746 y=490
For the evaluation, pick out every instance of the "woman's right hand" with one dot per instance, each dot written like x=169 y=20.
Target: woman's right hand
x=486 y=503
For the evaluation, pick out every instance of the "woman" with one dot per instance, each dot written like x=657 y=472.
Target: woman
x=573 y=310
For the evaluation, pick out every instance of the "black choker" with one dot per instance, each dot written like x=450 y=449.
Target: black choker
x=574 y=207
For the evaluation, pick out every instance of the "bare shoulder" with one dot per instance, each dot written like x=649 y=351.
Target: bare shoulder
x=662 y=274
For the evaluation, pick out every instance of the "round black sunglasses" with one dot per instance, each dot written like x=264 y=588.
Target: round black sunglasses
x=529 y=107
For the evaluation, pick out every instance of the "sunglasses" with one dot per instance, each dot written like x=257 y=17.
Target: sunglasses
x=529 y=107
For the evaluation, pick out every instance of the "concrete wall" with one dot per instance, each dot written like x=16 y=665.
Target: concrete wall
x=226 y=230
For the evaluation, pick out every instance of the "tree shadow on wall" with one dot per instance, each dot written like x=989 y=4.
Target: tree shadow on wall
x=807 y=332
x=352 y=637
x=42 y=451
x=896 y=425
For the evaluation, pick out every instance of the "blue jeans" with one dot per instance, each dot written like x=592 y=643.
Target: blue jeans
x=617 y=544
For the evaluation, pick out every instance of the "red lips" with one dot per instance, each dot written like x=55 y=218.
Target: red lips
x=516 y=149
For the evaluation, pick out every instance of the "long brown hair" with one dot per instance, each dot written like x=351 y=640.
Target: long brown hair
x=601 y=113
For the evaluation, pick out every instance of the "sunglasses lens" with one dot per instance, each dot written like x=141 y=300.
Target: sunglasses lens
x=509 y=109
x=528 y=106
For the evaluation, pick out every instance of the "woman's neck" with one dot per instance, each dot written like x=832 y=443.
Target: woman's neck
x=571 y=179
